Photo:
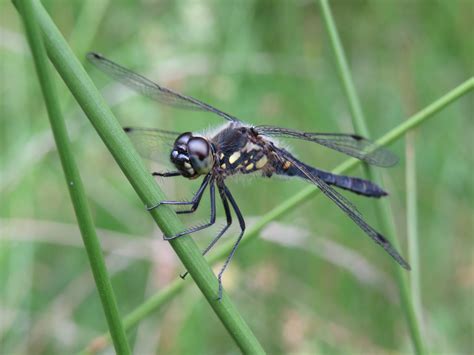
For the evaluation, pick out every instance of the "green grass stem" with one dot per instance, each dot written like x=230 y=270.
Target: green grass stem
x=119 y=145
x=88 y=21
x=412 y=225
x=384 y=210
x=343 y=70
x=160 y=298
x=73 y=180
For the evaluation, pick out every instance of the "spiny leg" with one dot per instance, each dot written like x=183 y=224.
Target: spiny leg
x=228 y=216
x=212 y=219
x=197 y=200
x=194 y=201
x=195 y=205
x=234 y=248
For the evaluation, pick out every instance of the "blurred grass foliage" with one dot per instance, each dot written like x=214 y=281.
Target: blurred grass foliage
x=266 y=62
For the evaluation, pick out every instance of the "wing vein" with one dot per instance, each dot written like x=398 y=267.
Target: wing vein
x=350 y=144
x=348 y=209
x=151 y=89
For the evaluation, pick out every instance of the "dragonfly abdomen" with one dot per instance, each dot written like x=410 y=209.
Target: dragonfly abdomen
x=349 y=183
x=353 y=184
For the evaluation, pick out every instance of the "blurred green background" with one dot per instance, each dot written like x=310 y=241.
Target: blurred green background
x=314 y=283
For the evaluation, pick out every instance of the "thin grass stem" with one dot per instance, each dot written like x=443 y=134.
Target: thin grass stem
x=412 y=225
x=73 y=180
x=343 y=70
x=88 y=21
x=384 y=210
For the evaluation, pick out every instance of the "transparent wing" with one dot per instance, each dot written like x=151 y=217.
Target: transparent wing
x=350 y=144
x=153 y=144
x=148 y=88
x=347 y=208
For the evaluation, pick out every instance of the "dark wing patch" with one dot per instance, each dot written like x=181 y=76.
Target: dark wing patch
x=151 y=89
x=350 y=144
x=348 y=209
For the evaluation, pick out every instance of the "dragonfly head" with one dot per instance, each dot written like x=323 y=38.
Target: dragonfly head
x=192 y=155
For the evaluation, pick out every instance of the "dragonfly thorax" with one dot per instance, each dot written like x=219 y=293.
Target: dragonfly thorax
x=192 y=155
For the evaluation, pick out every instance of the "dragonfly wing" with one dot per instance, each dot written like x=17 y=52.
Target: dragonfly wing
x=151 y=89
x=152 y=144
x=347 y=208
x=350 y=144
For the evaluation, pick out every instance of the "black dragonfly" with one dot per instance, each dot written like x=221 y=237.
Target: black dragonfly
x=240 y=148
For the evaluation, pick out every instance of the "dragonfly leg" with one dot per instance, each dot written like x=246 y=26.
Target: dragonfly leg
x=228 y=221
x=194 y=206
x=239 y=238
x=212 y=219
x=228 y=216
x=167 y=174
x=194 y=201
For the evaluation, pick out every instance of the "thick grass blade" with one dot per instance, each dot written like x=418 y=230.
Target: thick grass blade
x=115 y=139
x=73 y=180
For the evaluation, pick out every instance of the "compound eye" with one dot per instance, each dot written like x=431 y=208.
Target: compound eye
x=183 y=139
x=199 y=148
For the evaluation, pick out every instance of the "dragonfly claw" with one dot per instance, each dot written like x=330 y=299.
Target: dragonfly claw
x=219 y=293
x=149 y=208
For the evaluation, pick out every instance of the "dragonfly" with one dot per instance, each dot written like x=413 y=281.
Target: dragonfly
x=238 y=148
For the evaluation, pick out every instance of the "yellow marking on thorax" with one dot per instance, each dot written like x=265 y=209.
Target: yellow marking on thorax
x=261 y=162
x=234 y=157
x=286 y=165
x=249 y=167
x=223 y=166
